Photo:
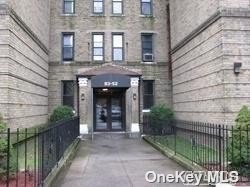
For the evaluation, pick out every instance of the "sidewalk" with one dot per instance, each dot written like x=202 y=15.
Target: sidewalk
x=112 y=160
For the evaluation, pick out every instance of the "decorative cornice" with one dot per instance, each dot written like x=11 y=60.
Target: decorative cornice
x=236 y=13
x=6 y=10
x=196 y=32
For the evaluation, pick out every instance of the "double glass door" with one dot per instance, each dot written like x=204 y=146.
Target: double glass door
x=109 y=112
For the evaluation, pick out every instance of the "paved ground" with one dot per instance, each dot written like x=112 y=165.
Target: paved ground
x=113 y=160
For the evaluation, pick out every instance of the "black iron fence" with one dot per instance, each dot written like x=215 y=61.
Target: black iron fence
x=28 y=156
x=213 y=147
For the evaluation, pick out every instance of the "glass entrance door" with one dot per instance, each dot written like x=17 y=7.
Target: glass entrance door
x=116 y=114
x=101 y=113
x=109 y=110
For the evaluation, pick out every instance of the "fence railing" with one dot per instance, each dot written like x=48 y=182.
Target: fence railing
x=28 y=156
x=214 y=147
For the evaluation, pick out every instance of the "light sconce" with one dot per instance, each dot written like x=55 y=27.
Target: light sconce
x=237 y=66
x=134 y=96
x=82 y=97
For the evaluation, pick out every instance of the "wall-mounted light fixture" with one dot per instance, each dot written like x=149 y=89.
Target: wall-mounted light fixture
x=134 y=96
x=237 y=66
x=83 y=97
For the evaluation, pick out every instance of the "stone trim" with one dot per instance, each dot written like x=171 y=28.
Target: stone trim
x=23 y=117
x=23 y=104
x=23 y=91
x=6 y=10
x=28 y=68
x=23 y=79
x=91 y=64
x=238 y=13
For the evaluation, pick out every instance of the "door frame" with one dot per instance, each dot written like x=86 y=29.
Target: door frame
x=109 y=120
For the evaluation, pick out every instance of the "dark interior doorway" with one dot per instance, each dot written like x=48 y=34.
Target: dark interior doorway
x=109 y=109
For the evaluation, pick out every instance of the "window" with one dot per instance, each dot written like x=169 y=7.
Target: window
x=68 y=47
x=98 y=46
x=98 y=6
x=148 y=94
x=117 y=47
x=117 y=6
x=68 y=6
x=147 y=47
x=68 y=93
x=146 y=7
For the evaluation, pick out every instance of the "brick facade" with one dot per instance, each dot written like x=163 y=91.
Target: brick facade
x=131 y=24
x=212 y=39
x=24 y=74
x=207 y=37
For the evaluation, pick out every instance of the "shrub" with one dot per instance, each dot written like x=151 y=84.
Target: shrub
x=61 y=113
x=239 y=148
x=161 y=117
x=4 y=152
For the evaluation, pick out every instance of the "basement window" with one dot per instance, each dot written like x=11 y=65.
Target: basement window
x=148 y=94
x=68 y=93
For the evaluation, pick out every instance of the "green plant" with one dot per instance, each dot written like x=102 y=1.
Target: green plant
x=61 y=113
x=239 y=148
x=161 y=116
x=4 y=152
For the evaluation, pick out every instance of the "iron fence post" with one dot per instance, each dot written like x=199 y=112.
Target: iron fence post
x=248 y=156
x=42 y=160
x=175 y=134
x=35 y=156
x=8 y=157
x=220 y=148
x=17 y=155
x=25 y=158
x=57 y=136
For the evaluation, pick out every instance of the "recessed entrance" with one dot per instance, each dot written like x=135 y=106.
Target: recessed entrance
x=109 y=109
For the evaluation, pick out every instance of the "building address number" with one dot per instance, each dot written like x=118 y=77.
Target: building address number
x=110 y=83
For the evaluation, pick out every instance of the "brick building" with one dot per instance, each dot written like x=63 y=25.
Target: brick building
x=112 y=60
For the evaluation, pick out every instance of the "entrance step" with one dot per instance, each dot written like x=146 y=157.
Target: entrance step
x=120 y=134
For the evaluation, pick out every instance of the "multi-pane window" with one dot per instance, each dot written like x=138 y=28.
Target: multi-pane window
x=68 y=46
x=117 y=47
x=98 y=6
x=117 y=6
x=68 y=93
x=147 y=47
x=148 y=94
x=98 y=46
x=68 y=6
x=146 y=7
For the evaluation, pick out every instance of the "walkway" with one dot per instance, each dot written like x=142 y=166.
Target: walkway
x=112 y=160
